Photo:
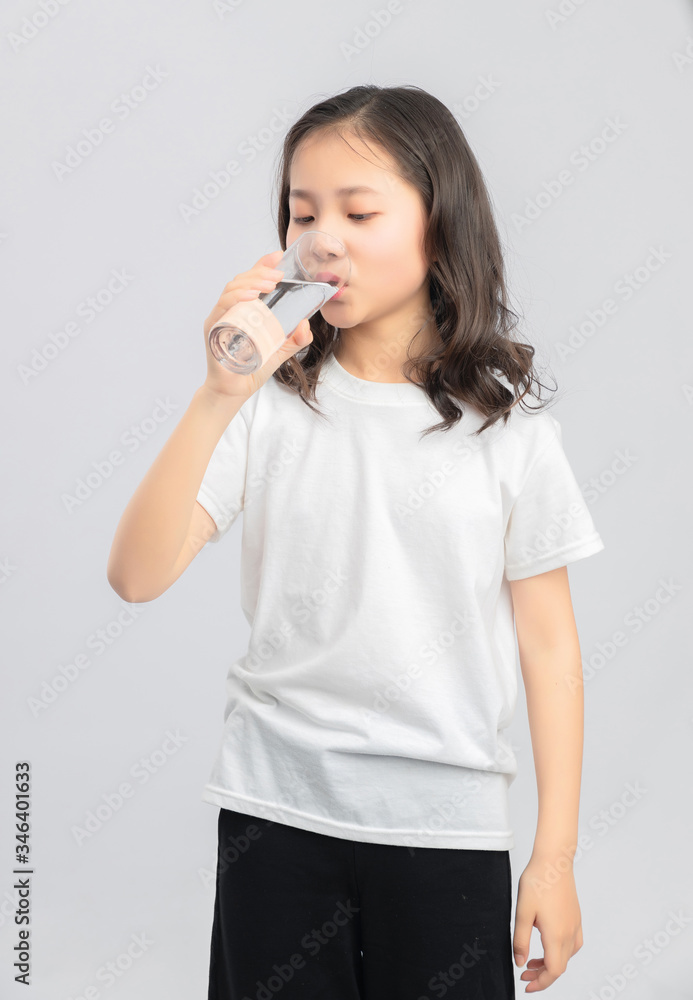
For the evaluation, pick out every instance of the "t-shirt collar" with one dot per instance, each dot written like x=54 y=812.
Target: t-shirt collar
x=362 y=390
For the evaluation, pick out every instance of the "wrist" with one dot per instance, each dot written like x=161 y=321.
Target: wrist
x=219 y=402
x=560 y=852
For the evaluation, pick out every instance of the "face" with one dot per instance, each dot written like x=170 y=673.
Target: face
x=381 y=230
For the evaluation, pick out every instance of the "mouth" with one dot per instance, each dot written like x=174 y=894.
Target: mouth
x=328 y=277
x=331 y=279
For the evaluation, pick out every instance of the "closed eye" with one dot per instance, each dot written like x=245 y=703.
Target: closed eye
x=359 y=217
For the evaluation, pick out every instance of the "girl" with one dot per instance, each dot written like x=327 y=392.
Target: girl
x=404 y=512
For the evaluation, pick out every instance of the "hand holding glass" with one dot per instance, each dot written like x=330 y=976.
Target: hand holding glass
x=315 y=268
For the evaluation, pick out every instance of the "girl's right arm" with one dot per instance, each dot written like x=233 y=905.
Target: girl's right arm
x=163 y=527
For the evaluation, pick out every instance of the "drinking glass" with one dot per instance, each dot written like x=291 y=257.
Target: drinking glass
x=316 y=268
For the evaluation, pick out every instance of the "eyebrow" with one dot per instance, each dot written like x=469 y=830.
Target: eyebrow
x=358 y=189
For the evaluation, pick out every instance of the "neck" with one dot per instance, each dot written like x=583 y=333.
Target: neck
x=380 y=359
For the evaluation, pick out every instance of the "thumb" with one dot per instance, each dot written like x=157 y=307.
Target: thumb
x=296 y=341
x=523 y=931
x=299 y=338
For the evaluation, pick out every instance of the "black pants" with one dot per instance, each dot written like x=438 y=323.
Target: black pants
x=303 y=916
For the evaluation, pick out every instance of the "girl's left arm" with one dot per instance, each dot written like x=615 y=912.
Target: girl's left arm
x=551 y=667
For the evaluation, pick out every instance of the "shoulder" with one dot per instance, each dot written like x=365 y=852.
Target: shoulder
x=516 y=444
x=530 y=431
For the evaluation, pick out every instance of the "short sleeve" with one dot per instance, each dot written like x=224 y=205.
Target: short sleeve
x=549 y=524
x=222 y=491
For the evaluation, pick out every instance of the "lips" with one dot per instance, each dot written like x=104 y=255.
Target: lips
x=328 y=276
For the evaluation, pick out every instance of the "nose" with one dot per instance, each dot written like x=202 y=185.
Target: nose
x=326 y=250
x=334 y=261
x=325 y=222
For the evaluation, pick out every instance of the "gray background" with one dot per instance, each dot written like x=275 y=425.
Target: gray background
x=626 y=391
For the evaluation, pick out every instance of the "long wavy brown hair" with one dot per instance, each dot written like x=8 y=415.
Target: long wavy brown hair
x=467 y=285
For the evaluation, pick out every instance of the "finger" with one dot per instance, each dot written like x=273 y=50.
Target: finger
x=548 y=972
x=521 y=937
x=301 y=335
x=541 y=982
x=270 y=259
x=293 y=343
x=260 y=271
x=264 y=280
x=534 y=969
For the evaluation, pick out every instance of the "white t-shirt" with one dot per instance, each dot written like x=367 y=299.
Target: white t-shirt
x=381 y=666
